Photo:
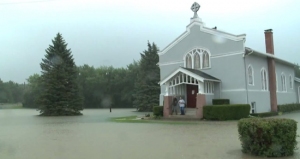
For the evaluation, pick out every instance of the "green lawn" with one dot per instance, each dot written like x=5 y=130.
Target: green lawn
x=133 y=119
x=11 y=106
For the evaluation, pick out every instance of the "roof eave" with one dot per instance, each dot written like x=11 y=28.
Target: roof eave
x=297 y=79
x=271 y=56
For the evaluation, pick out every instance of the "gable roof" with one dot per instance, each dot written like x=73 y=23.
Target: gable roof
x=203 y=29
x=197 y=74
x=249 y=51
x=202 y=74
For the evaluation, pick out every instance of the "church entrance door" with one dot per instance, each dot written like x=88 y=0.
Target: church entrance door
x=191 y=93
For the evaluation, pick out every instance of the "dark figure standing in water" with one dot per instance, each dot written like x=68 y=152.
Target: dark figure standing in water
x=174 y=105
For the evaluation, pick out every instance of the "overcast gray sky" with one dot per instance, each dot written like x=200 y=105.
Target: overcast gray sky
x=102 y=32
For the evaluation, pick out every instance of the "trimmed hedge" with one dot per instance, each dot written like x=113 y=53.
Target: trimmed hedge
x=220 y=101
x=158 y=110
x=268 y=137
x=226 y=112
x=266 y=114
x=288 y=107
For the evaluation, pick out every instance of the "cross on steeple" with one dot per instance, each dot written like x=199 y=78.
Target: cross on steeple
x=195 y=7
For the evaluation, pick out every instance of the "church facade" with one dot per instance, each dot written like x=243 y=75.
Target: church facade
x=205 y=63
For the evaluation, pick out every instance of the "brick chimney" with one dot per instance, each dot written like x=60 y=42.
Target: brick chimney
x=271 y=69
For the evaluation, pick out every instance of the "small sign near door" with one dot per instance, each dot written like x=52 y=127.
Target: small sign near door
x=193 y=91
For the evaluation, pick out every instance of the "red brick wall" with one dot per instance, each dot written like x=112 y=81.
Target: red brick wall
x=271 y=70
x=201 y=101
x=167 y=105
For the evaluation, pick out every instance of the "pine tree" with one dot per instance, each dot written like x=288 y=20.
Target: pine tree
x=147 y=89
x=60 y=92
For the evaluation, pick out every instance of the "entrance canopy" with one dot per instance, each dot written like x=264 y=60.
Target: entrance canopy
x=187 y=76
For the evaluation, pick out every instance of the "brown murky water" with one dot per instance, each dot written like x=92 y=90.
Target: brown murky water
x=23 y=135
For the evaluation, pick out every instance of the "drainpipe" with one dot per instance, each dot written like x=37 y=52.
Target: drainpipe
x=246 y=83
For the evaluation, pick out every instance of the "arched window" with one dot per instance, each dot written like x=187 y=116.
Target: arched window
x=283 y=82
x=205 y=59
x=188 y=61
x=264 y=79
x=291 y=82
x=250 y=75
x=196 y=61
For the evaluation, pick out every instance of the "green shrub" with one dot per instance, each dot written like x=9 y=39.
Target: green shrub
x=268 y=137
x=266 y=114
x=158 y=110
x=226 y=112
x=288 y=107
x=220 y=101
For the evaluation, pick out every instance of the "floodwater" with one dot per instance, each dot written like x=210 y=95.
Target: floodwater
x=24 y=135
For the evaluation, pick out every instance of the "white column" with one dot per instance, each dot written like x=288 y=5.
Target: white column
x=200 y=87
x=167 y=90
x=180 y=90
x=187 y=79
x=174 y=90
x=182 y=76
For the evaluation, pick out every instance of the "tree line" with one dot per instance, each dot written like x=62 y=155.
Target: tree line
x=11 y=92
x=135 y=85
x=101 y=87
x=97 y=85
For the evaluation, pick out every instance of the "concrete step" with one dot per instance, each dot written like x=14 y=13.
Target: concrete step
x=189 y=112
x=181 y=117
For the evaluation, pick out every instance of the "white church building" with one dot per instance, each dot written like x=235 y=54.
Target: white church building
x=205 y=63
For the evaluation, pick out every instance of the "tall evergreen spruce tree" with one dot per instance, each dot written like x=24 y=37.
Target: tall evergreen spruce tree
x=147 y=89
x=60 y=92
